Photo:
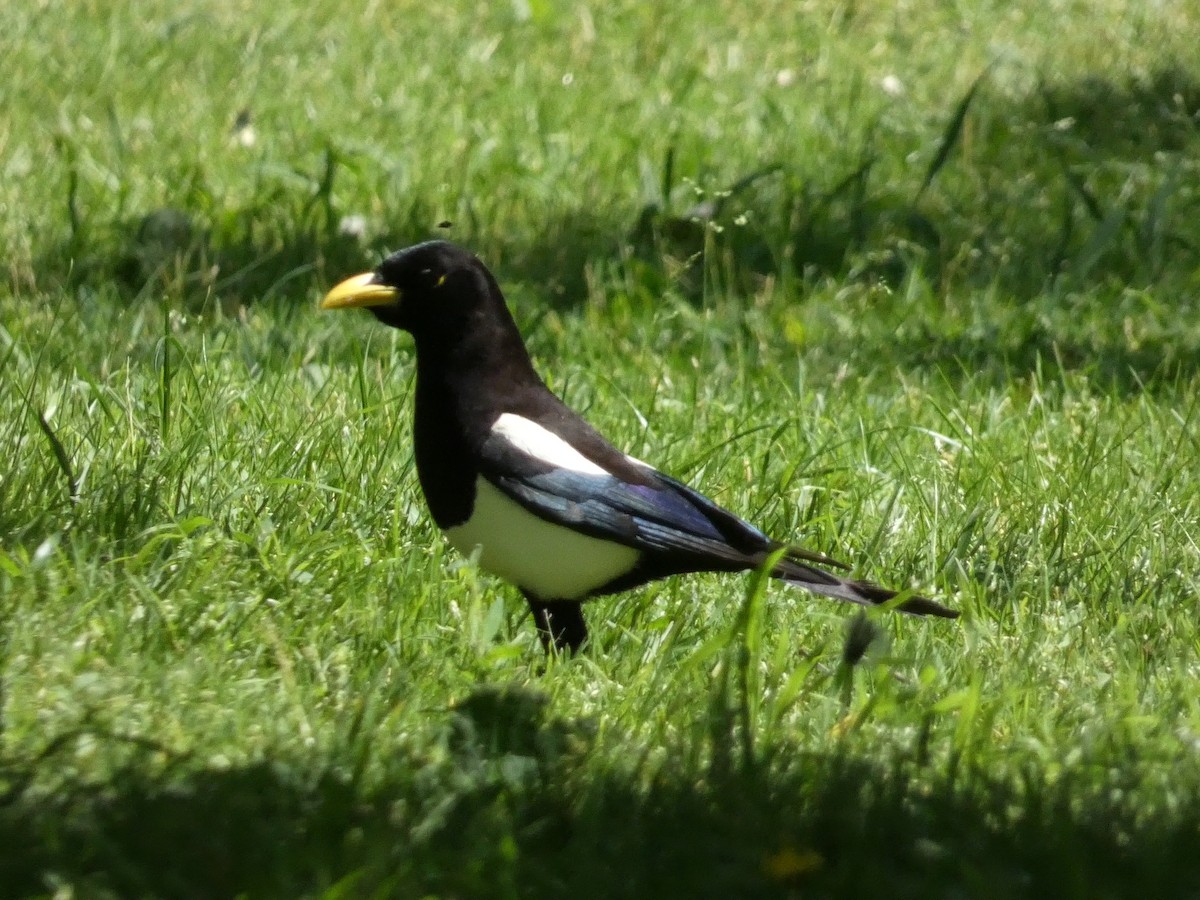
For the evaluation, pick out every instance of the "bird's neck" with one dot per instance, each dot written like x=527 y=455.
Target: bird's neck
x=475 y=362
x=463 y=385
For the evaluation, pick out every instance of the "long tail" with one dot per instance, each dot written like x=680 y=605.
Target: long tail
x=864 y=593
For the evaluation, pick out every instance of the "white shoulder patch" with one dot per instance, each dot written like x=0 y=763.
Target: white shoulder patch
x=531 y=438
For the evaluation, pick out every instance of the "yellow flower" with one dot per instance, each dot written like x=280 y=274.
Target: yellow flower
x=788 y=863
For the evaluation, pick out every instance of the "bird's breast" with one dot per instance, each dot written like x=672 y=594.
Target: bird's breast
x=549 y=561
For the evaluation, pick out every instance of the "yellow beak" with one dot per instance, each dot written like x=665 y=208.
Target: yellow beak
x=360 y=291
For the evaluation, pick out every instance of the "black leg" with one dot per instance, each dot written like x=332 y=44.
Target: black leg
x=559 y=623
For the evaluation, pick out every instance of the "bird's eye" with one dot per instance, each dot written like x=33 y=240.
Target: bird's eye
x=431 y=277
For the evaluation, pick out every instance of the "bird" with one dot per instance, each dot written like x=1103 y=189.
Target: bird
x=516 y=479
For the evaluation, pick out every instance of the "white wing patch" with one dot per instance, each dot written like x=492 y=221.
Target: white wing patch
x=531 y=438
x=550 y=561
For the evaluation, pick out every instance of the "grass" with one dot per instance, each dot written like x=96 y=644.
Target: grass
x=915 y=285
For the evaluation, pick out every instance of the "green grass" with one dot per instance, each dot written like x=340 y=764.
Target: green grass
x=947 y=331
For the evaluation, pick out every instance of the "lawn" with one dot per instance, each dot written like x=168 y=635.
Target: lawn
x=913 y=284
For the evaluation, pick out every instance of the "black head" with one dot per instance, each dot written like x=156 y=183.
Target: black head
x=435 y=288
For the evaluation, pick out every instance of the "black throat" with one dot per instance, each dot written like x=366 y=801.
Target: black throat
x=466 y=377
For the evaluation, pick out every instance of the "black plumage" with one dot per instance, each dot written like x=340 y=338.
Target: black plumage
x=510 y=472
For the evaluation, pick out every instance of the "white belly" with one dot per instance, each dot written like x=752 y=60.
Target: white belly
x=549 y=561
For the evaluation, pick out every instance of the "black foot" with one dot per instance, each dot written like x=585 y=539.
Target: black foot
x=560 y=624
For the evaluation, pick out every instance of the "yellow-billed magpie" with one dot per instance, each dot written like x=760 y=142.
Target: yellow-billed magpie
x=511 y=473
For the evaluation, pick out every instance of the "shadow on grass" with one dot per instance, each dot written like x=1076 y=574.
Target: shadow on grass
x=1096 y=346
x=1133 y=118
x=503 y=805
x=1079 y=188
